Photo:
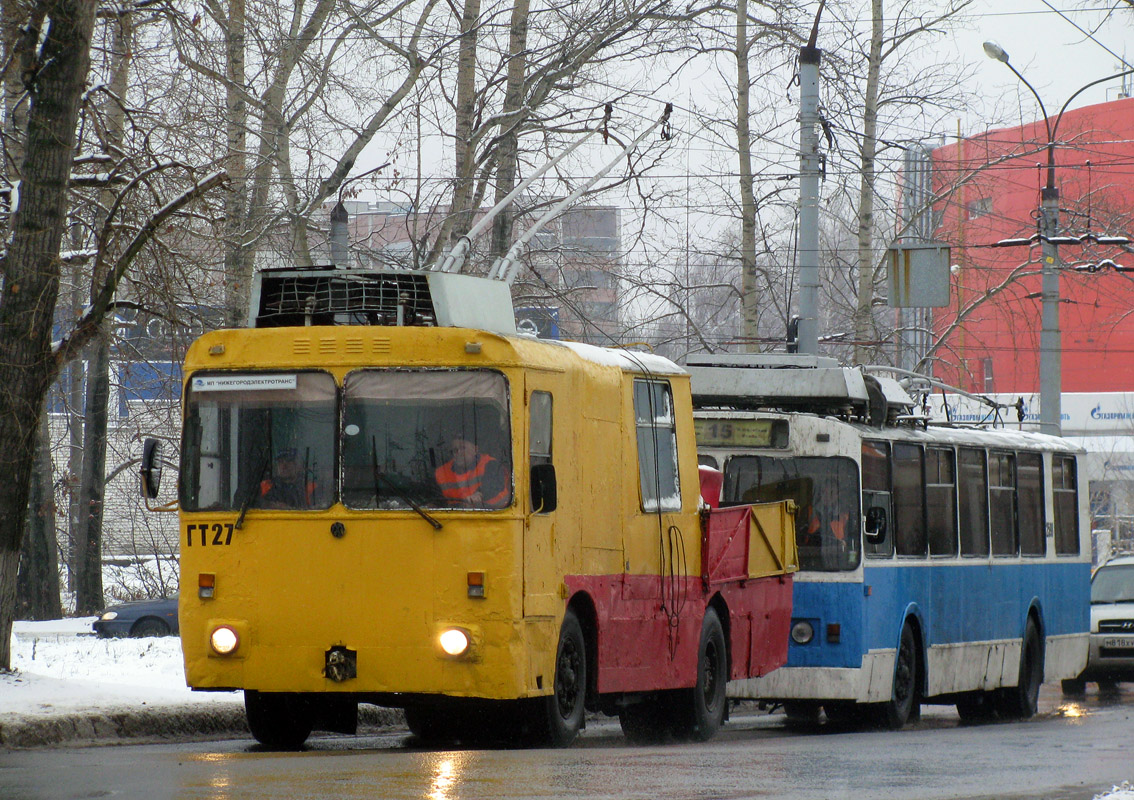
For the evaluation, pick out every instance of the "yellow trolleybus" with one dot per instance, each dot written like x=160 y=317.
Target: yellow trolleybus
x=387 y=496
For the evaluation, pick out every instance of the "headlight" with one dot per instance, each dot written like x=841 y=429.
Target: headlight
x=455 y=642
x=224 y=640
x=802 y=632
x=109 y=615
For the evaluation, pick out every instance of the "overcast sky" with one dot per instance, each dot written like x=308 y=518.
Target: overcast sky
x=1055 y=57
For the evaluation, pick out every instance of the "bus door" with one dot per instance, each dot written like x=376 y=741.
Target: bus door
x=541 y=578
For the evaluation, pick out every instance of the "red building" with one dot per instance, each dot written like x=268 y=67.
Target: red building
x=987 y=189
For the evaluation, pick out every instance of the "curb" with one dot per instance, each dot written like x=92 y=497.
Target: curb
x=170 y=723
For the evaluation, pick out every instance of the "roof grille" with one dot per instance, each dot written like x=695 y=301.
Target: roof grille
x=340 y=297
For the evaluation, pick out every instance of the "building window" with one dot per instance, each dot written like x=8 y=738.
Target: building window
x=980 y=207
x=986 y=373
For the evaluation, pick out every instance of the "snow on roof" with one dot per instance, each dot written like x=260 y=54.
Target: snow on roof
x=626 y=360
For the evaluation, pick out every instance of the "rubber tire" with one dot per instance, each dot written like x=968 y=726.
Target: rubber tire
x=148 y=627
x=903 y=705
x=563 y=710
x=1073 y=687
x=1021 y=701
x=278 y=720
x=700 y=711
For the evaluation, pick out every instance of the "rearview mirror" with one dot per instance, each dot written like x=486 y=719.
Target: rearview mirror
x=151 y=468
x=544 y=494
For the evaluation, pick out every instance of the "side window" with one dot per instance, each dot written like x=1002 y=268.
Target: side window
x=972 y=494
x=657 y=446
x=1029 y=498
x=1002 y=503
x=876 y=494
x=909 y=500
x=539 y=433
x=941 y=499
x=1065 y=488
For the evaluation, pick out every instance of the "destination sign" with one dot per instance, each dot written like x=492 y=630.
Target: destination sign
x=767 y=433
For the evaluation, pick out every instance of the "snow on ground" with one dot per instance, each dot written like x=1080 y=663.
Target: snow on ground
x=1123 y=792
x=60 y=667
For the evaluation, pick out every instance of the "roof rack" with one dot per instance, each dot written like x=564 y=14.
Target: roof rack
x=796 y=382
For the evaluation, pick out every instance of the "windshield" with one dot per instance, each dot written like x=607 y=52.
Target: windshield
x=258 y=440
x=1113 y=584
x=426 y=438
x=827 y=529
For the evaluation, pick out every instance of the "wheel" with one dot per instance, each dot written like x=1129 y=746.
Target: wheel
x=976 y=707
x=562 y=711
x=277 y=720
x=1020 y=701
x=903 y=704
x=1073 y=687
x=700 y=711
x=149 y=627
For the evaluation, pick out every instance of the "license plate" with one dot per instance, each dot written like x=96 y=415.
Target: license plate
x=1118 y=642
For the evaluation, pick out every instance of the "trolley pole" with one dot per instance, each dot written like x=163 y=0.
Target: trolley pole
x=810 y=167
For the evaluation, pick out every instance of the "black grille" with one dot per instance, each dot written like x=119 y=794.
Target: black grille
x=335 y=297
x=1116 y=626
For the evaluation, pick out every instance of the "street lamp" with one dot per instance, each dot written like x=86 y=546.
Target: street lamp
x=1051 y=376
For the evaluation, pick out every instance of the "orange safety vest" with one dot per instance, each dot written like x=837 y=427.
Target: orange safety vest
x=267 y=484
x=463 y=485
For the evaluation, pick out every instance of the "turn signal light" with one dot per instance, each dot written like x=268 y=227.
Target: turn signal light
x=476 y=584
x=206 y=584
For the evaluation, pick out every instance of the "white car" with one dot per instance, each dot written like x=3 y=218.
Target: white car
x=1111 y=657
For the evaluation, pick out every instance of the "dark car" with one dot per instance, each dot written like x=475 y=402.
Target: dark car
x=139 y=618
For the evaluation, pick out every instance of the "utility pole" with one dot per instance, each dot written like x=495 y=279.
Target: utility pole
x=810 y=167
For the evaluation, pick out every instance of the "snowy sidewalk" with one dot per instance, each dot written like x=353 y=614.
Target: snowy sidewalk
x=70 y=686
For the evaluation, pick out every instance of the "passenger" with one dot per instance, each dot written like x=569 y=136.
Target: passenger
x=286 y=487
x=471 y=478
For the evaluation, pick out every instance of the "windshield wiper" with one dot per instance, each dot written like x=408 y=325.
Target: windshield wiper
x=250 y=494
x=398 y=492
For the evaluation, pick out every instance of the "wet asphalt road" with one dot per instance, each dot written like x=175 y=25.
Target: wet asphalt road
x=1069 y=751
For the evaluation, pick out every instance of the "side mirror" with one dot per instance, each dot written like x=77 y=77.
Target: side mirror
x=151 y=468
x=544 y=495
x=875 y=525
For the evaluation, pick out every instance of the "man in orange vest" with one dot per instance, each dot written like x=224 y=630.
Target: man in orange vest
x=285 y=489
x=471 y=478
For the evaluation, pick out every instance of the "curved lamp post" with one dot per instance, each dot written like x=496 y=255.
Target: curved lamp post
x=1051 y=376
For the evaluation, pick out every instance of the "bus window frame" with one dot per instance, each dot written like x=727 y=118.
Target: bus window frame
x=330 y=494
x=883 y=549
x=950 y=490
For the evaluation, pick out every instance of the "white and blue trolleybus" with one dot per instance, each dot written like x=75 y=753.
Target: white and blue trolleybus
x=938 y=563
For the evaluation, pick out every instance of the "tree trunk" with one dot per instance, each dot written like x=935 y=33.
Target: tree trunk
x=58 y=70
x=749 y=299
x=864 y=308
x=88 y=583
x=237 y=279
x=38 y=583
x=461 y=211
x=508 y=149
